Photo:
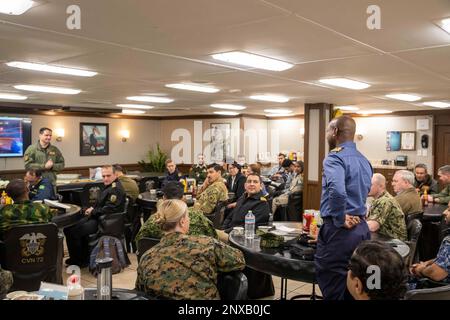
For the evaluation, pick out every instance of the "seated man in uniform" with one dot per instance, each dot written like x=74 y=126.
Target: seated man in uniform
x=23 y=211
x=296 y=186
x=212 y=191
x=172 y=173
x=129 y=185
x=111 y=200
x=385 y=215
x=392 y=281
x=198 y=171
x=276 y=171
x=407 y=196
x=40 y=188
x=199 y=224
x=235 y=183
x=442 y=197
x=437 y=269
x=183 y=266
x=253 y=200
x=423 y=181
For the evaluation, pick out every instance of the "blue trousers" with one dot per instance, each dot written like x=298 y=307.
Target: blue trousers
x=335 y=247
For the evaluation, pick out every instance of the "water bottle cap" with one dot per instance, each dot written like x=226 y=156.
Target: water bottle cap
x=103 y=263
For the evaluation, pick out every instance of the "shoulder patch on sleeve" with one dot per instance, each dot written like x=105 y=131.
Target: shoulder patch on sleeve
x=113 y=185
x=113 y=198
x=263 y=199
x=26 y=157
x=41 y=187
x=337 y=149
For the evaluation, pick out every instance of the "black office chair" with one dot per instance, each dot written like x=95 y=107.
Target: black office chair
x=148 y=183
x=132 y=224
x=144 y=244
x=89 y=194
x=413 y=215
x=438 y=293
x=295 y=207
x=218 y=214
x=414 y=229
x=30 y=252
x=232 y=285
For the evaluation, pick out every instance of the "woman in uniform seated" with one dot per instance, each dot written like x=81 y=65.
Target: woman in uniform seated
x=183 y=266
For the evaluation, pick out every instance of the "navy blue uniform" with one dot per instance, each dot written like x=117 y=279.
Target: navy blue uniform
x=346 y=182
x=175 y=176
x=42 y=190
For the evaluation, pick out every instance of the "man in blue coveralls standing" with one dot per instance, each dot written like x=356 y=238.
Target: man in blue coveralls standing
x=346 y=182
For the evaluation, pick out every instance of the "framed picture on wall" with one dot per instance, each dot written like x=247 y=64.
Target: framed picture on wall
x=408 y=140
x=393 y=139
x=94 y=139
x=220 y=142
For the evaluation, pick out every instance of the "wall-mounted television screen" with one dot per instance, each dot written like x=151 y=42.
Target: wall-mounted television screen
x=15 y=136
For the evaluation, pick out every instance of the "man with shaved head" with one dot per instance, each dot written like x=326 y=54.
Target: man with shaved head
x=385 y=216
x=346 y=182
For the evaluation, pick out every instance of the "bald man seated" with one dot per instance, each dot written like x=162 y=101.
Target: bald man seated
x=385 y=215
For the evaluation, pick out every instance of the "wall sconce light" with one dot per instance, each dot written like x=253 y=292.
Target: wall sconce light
x=59 y=134
x=359 y=136
x=125 y=135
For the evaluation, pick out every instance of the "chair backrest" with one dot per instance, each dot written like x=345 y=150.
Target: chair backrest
x=148 y=183
x=30 y=252
x=232 y=285
x=413 y=215
x=113 y=224
x=90 y=194
x=217 y=216
x=144 y=244
x=439 y=293
x=414 y=228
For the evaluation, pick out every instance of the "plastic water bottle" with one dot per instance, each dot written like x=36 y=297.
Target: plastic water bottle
x=250 y=225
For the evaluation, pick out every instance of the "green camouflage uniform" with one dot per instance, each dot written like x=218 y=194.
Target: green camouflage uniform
x=198 y=173
x=444 y=195
x=208 y=199
x=199 y=225
x=186 y=267
x=6 y=281
x=387 y=212
x=23 y=213
x=36 y=157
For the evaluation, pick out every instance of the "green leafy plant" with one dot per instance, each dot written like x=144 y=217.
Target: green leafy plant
x=157 y=160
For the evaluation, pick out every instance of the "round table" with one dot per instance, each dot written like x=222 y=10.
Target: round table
x=68 y=218
x=117 y=294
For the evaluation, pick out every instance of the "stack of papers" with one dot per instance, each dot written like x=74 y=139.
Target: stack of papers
x=56 y=204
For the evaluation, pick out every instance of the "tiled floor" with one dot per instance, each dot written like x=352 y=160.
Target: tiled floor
x=127 y=278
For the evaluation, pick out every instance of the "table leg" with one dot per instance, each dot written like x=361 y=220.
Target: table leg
x=283 y=293
x=59 y=256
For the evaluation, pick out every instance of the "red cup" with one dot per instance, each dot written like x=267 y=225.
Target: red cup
x=307 y=219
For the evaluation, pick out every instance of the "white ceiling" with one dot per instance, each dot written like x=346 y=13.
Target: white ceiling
x=139 y=46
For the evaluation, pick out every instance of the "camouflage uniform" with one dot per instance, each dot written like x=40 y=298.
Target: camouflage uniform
x=186 y=267
x=209 y=198
x=387 y=212
x=6 y=281
x=444 y=195
x=199 y=226
x=23 y=213
x=198 y=172
x=36 y=157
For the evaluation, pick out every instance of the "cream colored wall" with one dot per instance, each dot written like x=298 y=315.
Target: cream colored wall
x=289 y=132
x=143 y=134
x=256 y=137
x=184 y=139
x=373 y=144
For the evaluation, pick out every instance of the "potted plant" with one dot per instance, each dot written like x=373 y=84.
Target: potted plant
x=157 y=161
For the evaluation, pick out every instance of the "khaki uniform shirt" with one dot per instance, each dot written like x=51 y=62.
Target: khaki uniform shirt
x=409 y=201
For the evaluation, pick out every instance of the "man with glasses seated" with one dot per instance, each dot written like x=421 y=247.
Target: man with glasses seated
x=40 y=188
x=199 y=224
x=111 y=200
x=437 y=269
x=23 y=211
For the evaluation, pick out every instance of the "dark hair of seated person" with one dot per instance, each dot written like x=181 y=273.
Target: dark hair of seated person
x=173 y=190
x=17 y=189
x=36 y=172
x=215 y=166
x=392 y=269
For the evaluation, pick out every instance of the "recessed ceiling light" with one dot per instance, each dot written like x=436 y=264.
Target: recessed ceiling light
x=150 y=99
x=347 y=108
x=444 y=24
x=192 y=87
x=404 y=97
x=271 y=98
x=52 y=69
x=227 y=106
x=437 y=104
x=278 y=111
x=226 y=113
x=253 y=60
x=9 y=96
x=367 y=112
x=134 y=106
x=46 y=89
x=15 y=7
x=132 y=111
x=345 y=83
